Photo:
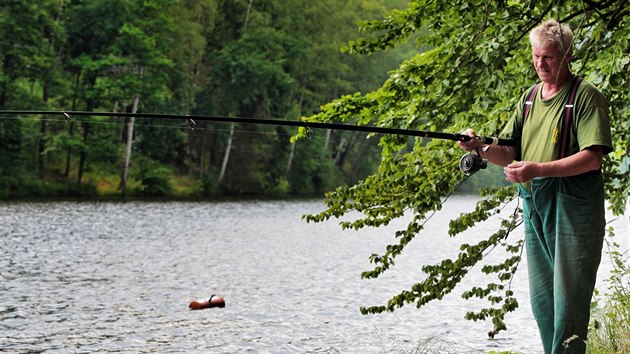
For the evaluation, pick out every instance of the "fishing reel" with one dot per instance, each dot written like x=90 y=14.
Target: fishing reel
x=471 y=163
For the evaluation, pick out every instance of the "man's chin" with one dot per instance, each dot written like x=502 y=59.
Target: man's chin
x=546 y=77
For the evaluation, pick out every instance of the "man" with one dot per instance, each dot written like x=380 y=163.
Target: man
x=558 y=158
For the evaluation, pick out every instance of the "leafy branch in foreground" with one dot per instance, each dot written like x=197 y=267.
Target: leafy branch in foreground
x=442 y=278
x=475 y=64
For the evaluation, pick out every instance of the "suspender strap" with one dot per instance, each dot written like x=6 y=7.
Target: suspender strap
x=529 y=102
x=568 y=112
x=568 y=116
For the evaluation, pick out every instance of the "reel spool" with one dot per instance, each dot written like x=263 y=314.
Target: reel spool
x=471 y=163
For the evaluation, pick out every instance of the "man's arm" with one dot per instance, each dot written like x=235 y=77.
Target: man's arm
x=586 y=160
x=498 y=155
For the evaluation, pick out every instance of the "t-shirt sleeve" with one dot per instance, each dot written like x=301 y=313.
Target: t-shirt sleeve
x=593 y=120
x=513 y=129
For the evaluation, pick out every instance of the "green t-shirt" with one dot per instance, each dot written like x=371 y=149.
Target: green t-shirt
x=541 y=135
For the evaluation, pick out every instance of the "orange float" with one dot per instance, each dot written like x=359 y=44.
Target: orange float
x=213 y=301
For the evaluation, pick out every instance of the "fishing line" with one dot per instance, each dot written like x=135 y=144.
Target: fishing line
x=103 y=123
x=518 y=204
x=507 y=234
x=197 y=127
x=469 y=163
x=140 y=124
x=280 y=122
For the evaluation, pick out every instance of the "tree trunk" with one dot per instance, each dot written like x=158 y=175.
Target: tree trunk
x=226 y=156
x=329 y=131
x=290 y=161
x=292 y=153
x=83 y=154
x=346 y=146
x=86 y=131
x=71 y=127
x=41 y=146
x=42 y=135
x=202 y=158
x=326 y=142
x=66 y=173
x=125 y=173
x=355 y=166
x=249 y=10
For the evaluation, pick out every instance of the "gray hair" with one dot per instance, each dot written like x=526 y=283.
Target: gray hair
x=553 y=32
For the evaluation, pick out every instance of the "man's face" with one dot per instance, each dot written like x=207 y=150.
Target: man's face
x=549 y=62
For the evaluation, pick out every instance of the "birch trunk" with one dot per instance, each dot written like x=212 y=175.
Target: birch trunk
x=226 y=156
x=290 y=162
x=292 y=153
x=125 y=174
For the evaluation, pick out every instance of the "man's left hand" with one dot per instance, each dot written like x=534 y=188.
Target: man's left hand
x=521 y=171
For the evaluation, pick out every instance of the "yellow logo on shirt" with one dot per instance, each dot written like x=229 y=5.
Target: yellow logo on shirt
x=554 y=138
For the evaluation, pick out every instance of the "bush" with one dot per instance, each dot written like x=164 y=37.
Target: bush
x=210 y=185
x=609 y=332
x=281 y=188
x=155 y=186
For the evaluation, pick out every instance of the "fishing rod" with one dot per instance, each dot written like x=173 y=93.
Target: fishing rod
x=469 y=163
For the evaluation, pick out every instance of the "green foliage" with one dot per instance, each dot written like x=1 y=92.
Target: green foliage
x=477 y=66
x=609 y=331
x=252 y=72
x=164 y=145
x=210 y=186
x=30 y=33
x=12 y=168
x=155 y=185
x=281 y=188
x=155 y=180
x=271 y=59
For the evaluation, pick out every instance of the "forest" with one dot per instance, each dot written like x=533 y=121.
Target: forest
x=238 y=58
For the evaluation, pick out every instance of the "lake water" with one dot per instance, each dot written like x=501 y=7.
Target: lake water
x=117 y=277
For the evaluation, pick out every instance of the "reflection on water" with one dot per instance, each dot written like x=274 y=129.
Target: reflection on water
x=94 y=277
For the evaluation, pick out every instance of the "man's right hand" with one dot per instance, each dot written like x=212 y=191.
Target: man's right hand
x=471 y=144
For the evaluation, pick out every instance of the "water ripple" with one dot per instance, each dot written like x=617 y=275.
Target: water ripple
x=106 y=277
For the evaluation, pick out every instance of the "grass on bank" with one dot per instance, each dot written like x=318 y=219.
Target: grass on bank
x=610 y=314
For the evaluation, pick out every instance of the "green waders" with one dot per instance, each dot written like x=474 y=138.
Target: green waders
x=564 y=232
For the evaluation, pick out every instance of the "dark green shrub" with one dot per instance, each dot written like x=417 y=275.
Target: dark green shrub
x=156 y=183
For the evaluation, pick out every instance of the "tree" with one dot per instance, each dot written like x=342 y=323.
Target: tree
x=141 y=63
x=126 y=60
x=92 y=31
x=477 y=65
x=30 y=35
x=282 y=64
x=24 y=54
x=324 y=73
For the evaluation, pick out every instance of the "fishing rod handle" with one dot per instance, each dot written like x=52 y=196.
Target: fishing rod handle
x=487 y=140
